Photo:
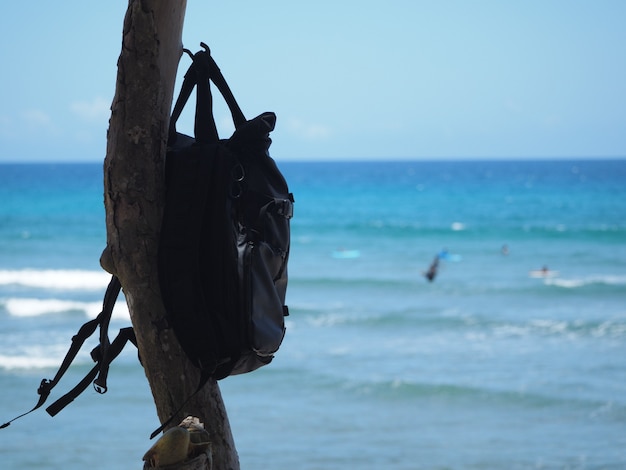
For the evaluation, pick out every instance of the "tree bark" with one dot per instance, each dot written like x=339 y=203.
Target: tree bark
x=133 y=196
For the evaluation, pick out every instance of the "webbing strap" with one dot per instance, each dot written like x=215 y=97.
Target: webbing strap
x=125 y=335
x=72 y=394
x=78 y=340
x=203 y=69
x=46 y=385
x=189 y=82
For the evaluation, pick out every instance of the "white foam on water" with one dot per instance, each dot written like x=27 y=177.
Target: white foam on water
x=30 y=307
x=56 y=279
x=28 y=362
x=573 y=283
x=30 y=353
x=37 y=307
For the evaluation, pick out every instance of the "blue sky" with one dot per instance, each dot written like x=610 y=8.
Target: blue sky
x=348 y=79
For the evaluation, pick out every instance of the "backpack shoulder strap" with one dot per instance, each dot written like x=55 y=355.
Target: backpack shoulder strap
x=78 y=340
x=125 y=335
x=46 y=385
x=103 y=354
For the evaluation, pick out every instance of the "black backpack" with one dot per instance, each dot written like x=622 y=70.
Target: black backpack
x=223 y=250
x=225 y=236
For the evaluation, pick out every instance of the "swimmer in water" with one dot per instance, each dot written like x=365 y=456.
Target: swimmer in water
x=432 y=270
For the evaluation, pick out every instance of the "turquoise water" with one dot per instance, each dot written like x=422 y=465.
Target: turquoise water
x=486 y=367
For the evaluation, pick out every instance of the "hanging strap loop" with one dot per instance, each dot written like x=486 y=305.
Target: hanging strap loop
x=201 y=72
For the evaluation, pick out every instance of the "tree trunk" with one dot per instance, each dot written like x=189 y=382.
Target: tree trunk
x=133 y=195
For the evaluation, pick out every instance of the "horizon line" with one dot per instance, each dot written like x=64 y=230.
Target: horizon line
x=362 y=159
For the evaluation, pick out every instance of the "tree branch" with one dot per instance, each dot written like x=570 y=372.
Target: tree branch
x=133 y=190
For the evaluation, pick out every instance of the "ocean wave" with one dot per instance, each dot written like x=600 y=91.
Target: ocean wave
x=30 y=352
x=30 y=307
x=43 y=360
x=594 y=280
x=402 y=389
x=395 y=281
x=568 y=329
x=398 y=390
x=28 y=362
x=23 y=351
x=56 y=279
x=474 y=328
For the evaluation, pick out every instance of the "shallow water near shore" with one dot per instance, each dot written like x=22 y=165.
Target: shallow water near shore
x=486 y=367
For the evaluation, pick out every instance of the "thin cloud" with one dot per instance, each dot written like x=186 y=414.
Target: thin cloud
x=36 y=117
x=97 y=109
x=309 y=131
x=34 y=122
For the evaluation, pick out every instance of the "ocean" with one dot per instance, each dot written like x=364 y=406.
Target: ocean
x=494 y=364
